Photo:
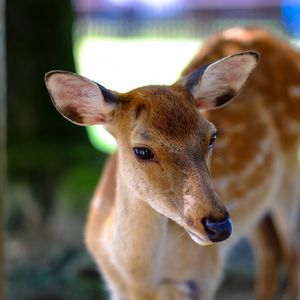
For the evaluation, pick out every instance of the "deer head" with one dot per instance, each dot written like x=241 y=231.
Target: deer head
x=164 y=142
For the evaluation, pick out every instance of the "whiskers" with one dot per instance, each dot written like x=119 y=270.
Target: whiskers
x=176 y=239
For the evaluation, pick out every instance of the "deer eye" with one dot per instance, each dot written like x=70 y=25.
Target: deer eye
x=143 y=153
x=212 y=140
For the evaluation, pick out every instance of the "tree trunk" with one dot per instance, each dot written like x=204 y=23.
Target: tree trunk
x=2 y=146
x=39 y=39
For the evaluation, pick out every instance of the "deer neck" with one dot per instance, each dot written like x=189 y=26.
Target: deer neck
x=135 y=217
x=139 y=232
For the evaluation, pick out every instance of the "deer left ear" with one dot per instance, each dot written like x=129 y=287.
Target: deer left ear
x=79 y=99
x=221 y=81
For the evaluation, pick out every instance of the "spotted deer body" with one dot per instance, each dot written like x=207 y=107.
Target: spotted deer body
x=157 y=206
x=257 y=169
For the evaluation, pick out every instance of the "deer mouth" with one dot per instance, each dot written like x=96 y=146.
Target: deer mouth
x=198 y=239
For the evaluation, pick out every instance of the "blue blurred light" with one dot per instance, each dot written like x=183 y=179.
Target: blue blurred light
x=150 y=8
x=159 y=3
x=291 y=16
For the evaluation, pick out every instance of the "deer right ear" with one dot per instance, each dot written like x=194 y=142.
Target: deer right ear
x=80 y=100
x=217 y=84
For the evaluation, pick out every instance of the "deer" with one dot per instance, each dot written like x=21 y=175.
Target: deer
x=167 y=209
x=274 y=91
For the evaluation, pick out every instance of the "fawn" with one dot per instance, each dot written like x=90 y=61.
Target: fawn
x=157 y=201
x=259 y=173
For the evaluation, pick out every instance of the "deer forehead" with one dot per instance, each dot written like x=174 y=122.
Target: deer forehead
x=166 y=115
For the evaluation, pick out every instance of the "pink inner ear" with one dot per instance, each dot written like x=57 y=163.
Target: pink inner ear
x=236 y=68
x=73 y=90
x=78 y=99
x=203 y=103
x=234 y=73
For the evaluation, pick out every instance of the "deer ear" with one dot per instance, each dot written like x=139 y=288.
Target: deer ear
x=217 y=84
x=80 y=100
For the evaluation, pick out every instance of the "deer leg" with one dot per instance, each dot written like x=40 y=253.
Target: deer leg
x=115 y=283
x=137 y=292
x=287 y=231
x=116 y=286
x=169 y=291
x=285 y=214
x=188 y=290
x=266 y=246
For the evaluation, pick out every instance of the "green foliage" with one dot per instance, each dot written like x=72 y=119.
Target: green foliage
x=77 y=186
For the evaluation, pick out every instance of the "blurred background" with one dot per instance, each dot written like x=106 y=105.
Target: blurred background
x=53 y=165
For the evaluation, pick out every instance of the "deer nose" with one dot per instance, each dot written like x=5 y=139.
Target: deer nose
x=217 y=231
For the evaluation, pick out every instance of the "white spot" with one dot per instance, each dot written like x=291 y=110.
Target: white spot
x=237 y=33
x=251 y=168
x=253 y=193
x=264 y=146
x=223 y=183
x=223 y=143
x=294 y=91
x=259 y=159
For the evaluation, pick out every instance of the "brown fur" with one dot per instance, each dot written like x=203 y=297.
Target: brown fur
x=265 y=109
x=144 y=255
